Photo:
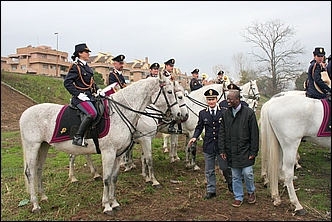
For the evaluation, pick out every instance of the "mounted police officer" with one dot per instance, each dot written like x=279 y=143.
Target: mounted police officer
x=220 y=76
x=194 y=82
x=169 y=64
x=116 y=73
x=316 y=87
x=229 y=87
x=80 y=84
x=154 y=70
x=210 y=119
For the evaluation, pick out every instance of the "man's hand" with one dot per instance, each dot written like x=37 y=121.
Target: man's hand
x=192 y=140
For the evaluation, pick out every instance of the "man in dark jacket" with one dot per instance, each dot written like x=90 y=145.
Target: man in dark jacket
x=209 y=119
x=238 y=142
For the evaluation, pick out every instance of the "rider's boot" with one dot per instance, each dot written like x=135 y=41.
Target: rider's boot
x=85 y=124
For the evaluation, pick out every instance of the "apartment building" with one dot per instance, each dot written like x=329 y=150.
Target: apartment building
x=43 y=60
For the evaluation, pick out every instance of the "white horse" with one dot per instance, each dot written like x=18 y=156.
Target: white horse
x=285 y=120
x=250 y=94
x=37 y=124
x=147 y=128
x=292 y=93
x=196 y=101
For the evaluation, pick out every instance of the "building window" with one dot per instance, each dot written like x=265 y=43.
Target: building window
x=44 y=66
x=14 y=67
x=23 y=67
x=43 y=56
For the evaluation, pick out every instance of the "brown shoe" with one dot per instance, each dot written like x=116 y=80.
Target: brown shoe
x=251 y=198
x=237 y=203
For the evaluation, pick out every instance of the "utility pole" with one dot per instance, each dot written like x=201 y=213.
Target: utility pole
x=57 y=57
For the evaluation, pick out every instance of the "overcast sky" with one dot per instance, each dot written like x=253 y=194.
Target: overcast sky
x=197 y=34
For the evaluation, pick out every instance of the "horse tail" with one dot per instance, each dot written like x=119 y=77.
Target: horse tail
x=270 y=151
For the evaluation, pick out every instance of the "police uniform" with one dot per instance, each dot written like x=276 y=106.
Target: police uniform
x=153 y=66
x=170 y=62
x=314 y=77
x=80 y=78
x=224 y=103
x=194 y=82
x=220 y=80
x=116 y=75
x=79 y=82
x=211 y=124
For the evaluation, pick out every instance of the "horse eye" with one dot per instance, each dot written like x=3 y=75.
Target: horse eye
x=169 y=91
x=180 y=97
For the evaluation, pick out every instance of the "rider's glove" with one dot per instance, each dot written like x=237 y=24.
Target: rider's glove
x=83 y=97
x=100 y=92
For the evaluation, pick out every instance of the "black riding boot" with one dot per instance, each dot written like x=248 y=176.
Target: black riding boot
x=85 y=124
x=228 y=176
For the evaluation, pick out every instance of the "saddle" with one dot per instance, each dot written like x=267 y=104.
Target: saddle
x=69 y=119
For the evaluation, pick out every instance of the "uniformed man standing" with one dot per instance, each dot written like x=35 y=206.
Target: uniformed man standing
x=154 y=70
x=194 y=82
x=116 y=72
x=210 y=119
x=169 y=64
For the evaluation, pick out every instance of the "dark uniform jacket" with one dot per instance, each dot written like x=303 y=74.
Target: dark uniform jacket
x=150 y=75
x=115 y=76
x=76 y=84
x=211 y=125
x=314 y=75
x=239 y=137
x=195 y=84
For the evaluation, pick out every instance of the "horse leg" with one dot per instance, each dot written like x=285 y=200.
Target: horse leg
x=96 y=175
x=42 y=154
x=173 y=152
x=289 y=160
x=147 y=162
x=165 y=146
x=128 y=162
x=30 y=168
x=72 y=177
x=297 y=165
x=108 y=162
x=112 y=190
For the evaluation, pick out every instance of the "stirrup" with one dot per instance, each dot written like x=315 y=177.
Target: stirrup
x=79 y=141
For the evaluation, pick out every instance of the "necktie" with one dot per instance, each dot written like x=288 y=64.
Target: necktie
x=212 y=112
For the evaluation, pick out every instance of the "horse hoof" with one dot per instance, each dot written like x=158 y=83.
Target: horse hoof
x=196 y=168
x=98 y=178
x=158 y=186
x=117 y=208
x=301 y=212
x=110 y=213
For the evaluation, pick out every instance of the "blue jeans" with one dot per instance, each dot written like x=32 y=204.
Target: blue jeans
x=248 y=174
x=210 y=165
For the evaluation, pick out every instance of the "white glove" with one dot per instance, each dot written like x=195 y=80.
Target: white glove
x=100 y=92
x=186 y=93
x=83 y=97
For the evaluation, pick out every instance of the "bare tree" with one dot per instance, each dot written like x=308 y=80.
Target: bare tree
x=243 y=68
x=276 y=58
